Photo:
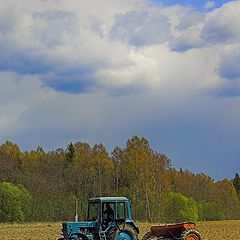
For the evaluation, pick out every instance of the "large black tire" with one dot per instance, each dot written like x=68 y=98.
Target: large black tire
x=128 y=229
x=191 y=234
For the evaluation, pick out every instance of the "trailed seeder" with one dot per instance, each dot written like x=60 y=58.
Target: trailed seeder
x=179 y=231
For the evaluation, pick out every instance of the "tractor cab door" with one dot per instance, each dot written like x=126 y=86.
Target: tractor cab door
x=113 y=212
x=121 y=212
x=108 y=213
x=93 y=211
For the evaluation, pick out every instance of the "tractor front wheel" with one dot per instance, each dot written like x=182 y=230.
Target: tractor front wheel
x=191 y=234
x=128 y=233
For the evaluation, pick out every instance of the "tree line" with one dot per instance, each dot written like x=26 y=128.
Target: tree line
x=43 y=186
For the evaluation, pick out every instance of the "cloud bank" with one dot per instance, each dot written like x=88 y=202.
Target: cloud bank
x=70 y=71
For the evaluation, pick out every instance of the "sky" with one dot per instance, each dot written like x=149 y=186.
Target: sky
x=197 y=5
x=84 y=71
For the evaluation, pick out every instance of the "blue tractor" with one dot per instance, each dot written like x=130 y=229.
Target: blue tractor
x=108 y=218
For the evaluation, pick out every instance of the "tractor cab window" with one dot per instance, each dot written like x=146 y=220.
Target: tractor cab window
x=108 y=211
x=121 y=210
x=93 y=211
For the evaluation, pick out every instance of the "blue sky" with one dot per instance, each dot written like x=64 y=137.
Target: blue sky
x=200 y=5
x=167 y=71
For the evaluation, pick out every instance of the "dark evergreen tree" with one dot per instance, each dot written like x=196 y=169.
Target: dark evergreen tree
x=70 y=154
x=236 y=183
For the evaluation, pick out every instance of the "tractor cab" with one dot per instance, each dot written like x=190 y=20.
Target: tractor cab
x=109 y=209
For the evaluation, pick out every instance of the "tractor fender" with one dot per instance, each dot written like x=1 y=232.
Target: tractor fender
x=134 y=226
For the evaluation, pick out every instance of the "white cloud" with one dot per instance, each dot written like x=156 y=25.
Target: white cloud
x=222 y=25
x=134 y=68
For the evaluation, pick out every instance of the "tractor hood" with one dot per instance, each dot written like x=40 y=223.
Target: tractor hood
x=76 y=227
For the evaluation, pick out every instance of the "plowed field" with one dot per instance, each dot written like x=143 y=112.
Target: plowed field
x=222 y=230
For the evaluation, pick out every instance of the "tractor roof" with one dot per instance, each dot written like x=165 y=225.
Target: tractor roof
x=108 y=199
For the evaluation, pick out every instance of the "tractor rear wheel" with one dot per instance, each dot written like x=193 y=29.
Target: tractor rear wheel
x=128 y=233
x=191 y=234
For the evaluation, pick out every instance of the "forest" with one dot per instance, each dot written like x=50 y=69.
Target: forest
x=44 y=186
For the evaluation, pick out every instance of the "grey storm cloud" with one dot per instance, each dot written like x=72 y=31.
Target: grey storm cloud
x=51 y=26
x=228 y=67
x=140 y=28
x=72 y=72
